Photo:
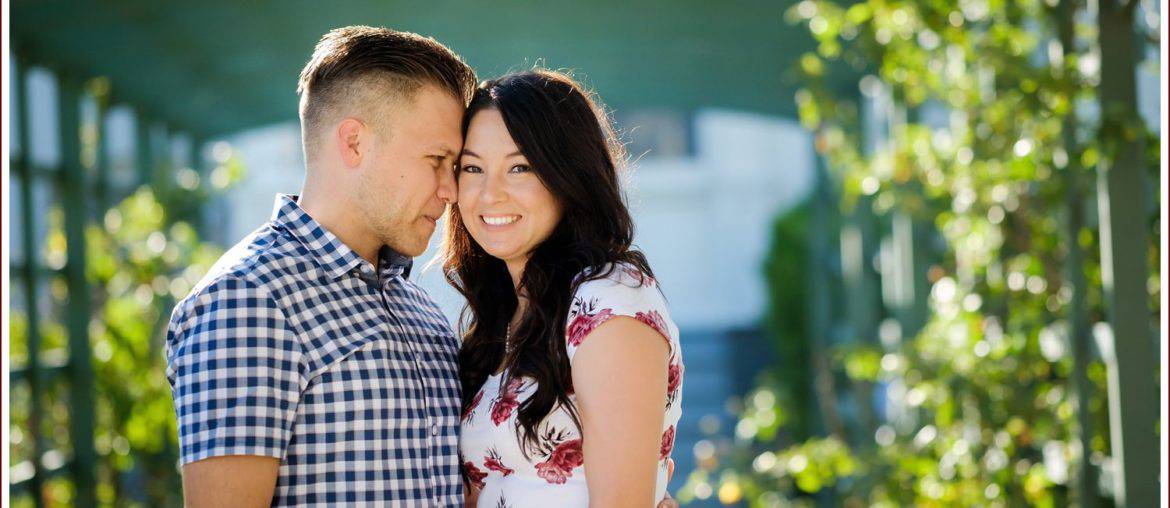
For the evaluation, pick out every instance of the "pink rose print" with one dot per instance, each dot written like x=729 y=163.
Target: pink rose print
x=585 y=323
x=474 y=475
x=636 y=274
x=667 y=443
x=474 y=403
x=560 y=464
x=493 y=463
x=506 y=403
x=673 y=378
x=654 y=320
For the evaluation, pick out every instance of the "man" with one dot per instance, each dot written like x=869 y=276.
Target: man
x=306 y=368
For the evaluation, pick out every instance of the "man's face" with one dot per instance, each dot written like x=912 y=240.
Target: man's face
x=408 y=179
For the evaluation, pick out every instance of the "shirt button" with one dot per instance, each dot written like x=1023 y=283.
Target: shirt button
x=434 y=430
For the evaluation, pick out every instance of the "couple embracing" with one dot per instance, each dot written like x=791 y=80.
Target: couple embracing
x=307 y=368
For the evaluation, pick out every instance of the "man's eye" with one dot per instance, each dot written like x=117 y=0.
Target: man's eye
x=520 y=168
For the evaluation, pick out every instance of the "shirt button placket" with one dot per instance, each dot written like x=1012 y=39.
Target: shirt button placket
x=385 y=289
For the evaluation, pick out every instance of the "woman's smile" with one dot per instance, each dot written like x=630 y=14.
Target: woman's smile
x=499 y=221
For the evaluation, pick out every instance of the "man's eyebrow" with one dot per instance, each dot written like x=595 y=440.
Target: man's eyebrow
x=445 y=150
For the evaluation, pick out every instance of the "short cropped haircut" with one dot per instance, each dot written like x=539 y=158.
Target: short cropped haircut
x=355 y=65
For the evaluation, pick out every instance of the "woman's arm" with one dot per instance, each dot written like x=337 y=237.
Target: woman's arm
x=619 y=375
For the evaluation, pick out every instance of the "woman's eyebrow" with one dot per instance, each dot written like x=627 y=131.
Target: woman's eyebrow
x=473 y=154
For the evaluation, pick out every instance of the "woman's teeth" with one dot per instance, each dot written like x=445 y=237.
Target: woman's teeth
x=500 y=220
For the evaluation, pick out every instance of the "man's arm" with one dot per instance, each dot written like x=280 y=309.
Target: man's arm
x=230 y=481
x=234 y=366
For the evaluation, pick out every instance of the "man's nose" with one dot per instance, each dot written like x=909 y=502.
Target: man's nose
x=448 y=191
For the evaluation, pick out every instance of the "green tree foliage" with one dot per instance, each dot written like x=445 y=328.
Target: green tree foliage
x=788 y=320
x=980 y=405
x=143 y=255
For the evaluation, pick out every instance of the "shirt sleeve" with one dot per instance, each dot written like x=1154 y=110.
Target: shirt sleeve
x=234 y=365
x=625 y=292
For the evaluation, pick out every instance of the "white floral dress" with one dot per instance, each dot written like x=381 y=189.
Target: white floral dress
x=554 y=474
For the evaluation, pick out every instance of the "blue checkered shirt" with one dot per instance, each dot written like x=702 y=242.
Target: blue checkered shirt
x=295 y=347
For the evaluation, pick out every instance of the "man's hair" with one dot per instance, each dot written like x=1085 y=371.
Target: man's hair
x=358 y=68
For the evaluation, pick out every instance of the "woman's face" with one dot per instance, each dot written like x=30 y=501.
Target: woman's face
x=504 y=205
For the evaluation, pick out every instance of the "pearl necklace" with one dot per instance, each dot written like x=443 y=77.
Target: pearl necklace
x=508 y=341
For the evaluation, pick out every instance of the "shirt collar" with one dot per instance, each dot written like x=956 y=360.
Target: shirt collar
x=333 y=256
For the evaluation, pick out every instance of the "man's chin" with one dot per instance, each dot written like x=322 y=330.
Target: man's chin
x=413 y=252
x=411 y=249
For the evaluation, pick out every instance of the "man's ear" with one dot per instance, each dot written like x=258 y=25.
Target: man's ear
x=351 y=141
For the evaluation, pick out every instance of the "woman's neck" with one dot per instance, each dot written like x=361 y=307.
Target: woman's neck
x=516 y=270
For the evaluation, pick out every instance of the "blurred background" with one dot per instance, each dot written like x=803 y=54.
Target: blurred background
x=911 y=246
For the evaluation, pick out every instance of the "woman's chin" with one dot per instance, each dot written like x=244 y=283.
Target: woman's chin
x=500 y=252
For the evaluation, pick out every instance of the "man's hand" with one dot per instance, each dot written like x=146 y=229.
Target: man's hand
x=470 y=495
x=234 y=480
x=668 y=501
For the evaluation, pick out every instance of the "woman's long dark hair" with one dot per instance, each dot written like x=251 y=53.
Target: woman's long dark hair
x=569 y=143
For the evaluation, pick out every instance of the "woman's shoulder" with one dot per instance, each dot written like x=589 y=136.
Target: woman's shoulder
x=617 y=290
x=615 y=278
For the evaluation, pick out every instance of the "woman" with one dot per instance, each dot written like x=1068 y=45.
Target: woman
x=570 y=362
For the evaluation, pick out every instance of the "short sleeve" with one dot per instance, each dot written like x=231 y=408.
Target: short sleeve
x=234 y=365
x=624 y=292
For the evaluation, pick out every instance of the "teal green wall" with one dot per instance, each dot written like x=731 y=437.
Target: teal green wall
x=214 y=67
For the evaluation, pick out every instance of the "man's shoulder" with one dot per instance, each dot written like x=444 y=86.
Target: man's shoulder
x=250 y=271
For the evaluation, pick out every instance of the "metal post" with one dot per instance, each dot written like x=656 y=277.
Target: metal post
x=144 y=144
x=1077 y=309
x=102 y=180
x=73 y=189
x=29 y=272
x=910 y=290
x=857 y=249
x=1079 y=337
x=1124 y=223
x=820 y=307
x=199 y=165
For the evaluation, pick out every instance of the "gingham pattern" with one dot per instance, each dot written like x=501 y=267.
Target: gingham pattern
x=295 y=347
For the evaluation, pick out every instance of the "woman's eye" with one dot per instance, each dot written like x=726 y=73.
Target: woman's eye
x=472 y=169
x=520 y=168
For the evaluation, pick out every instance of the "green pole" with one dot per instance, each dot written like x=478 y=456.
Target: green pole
x=820 y=307
x=102 y=182
x=857 y=250
x=199 y=165
x=144 y=145
x=1124 y=221
x=29 y=271
x=911 y=286
x=73 y=193
x=1077 y=316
